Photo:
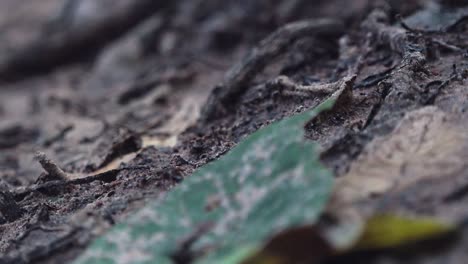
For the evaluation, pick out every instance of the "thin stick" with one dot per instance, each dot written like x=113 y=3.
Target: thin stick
x=50 y=167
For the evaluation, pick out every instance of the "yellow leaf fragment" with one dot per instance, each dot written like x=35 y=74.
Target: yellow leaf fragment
x=387 y=231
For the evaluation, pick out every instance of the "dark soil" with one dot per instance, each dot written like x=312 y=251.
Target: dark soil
x=128 y=99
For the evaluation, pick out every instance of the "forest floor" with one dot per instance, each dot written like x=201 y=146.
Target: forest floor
x=127 y=98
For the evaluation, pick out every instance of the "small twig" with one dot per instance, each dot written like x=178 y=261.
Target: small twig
x=107 y=176
x=289 y=87
x=50 y=167
x=286 y=82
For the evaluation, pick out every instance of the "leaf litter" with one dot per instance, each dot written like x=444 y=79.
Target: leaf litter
x=270 y=181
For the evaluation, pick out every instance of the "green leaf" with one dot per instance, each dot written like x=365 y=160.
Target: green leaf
x=271 y=181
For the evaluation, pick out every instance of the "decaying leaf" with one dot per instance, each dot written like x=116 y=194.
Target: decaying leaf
x=426 y=144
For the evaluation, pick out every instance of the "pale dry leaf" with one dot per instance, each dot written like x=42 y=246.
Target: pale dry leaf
x=426 y=144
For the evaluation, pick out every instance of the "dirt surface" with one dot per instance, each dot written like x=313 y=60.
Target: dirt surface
x=128 y=99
